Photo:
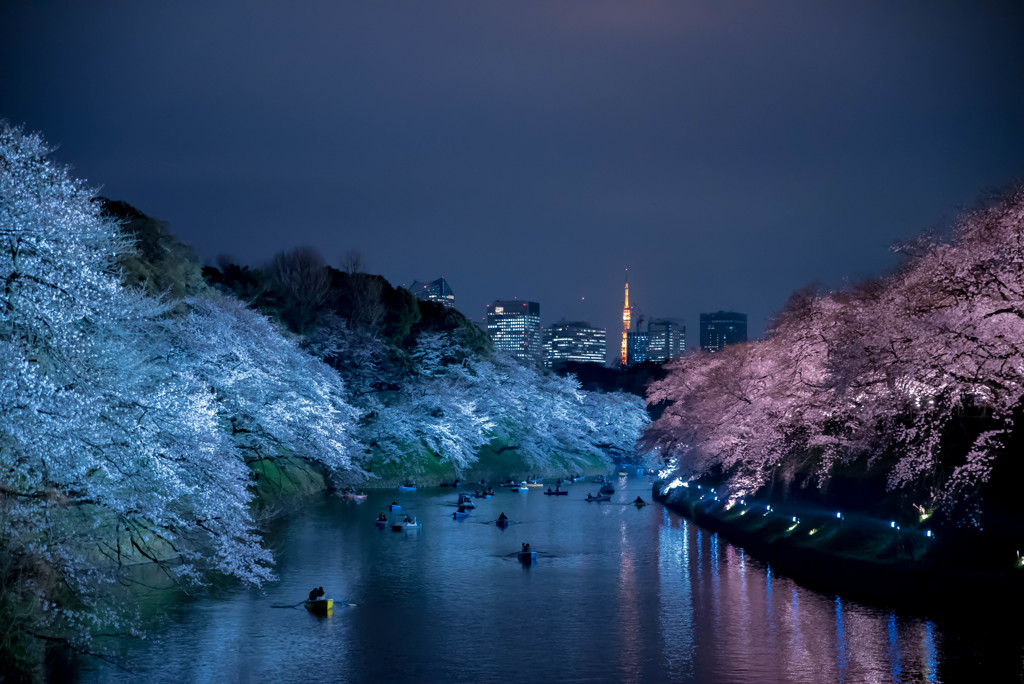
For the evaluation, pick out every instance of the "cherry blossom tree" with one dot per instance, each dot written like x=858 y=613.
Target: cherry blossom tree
x=884 y=372
x=124 y=428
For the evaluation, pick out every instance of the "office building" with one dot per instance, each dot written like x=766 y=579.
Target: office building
x=636 y=347
x=434 y=291
x=514 y=326
x=721 y=329
x=573 y=341
x=666 y=339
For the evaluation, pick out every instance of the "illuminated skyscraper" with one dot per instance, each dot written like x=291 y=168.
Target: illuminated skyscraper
x=515 y=328
x=435 y=291
x=573 y=341
x=636 y=347
x=721 y=329
x=666 y=339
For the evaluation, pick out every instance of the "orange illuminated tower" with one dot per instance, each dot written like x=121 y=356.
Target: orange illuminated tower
x=626 y=316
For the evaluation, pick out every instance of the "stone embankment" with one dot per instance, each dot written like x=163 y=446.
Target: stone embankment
x=876 y=561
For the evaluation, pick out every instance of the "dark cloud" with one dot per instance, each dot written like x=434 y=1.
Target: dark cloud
x=727 y=153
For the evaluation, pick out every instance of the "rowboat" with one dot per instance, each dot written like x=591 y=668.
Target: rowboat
x=353 y=495
x=607 y=489
x=394 y=507
x=600 y=497
x=521 y=487
x=320 y=606
x=535 y=482
x=407 y=487
x=405 y=525
x=460 y=514
x=557 y=492
x=502 y=522
x=526 y=557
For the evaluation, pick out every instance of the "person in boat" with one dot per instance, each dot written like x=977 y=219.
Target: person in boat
x=381 y=518
x=394 y=502
x=313 y=594
x=502 y=517
x=526 y=548
x=638 y=500
x=549 y=489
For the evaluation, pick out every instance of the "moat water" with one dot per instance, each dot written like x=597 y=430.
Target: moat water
x=617 y=593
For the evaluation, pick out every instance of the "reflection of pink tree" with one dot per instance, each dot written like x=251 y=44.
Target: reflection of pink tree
x=882 y=369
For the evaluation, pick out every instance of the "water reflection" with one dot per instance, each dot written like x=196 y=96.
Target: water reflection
x=618 y=593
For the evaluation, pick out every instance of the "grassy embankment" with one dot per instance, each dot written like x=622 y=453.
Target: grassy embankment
x=283 y=482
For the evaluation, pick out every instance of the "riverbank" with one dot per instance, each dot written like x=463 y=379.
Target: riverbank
x=871 y=560
x=285 y=483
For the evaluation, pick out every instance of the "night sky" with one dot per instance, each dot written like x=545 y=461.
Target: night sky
x=726 y=152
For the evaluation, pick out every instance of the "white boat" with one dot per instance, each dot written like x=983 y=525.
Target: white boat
x=407 y=524
x=521 y=487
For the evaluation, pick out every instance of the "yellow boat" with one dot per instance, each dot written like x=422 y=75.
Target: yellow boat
x=320 y=606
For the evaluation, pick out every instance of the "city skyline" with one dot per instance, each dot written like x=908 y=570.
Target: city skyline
x=727 y=157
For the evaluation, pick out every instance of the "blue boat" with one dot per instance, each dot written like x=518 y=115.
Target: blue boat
x=407 y=487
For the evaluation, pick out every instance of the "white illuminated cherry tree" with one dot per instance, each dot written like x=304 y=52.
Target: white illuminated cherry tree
x=120 y=424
